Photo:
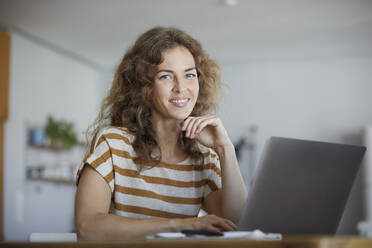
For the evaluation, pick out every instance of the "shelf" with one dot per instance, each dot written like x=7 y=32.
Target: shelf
x=52 y=180
x=53 y=148
x=51 y=164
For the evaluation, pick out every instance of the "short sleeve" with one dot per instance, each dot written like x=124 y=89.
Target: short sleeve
x=100 y=159
x=212 y=164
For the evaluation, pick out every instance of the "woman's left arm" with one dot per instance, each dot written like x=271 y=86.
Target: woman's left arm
x=229 y=201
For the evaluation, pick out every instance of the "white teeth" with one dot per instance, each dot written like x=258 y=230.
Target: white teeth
x=179 y=101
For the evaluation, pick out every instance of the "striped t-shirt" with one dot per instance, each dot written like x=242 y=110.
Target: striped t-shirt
x=166 y=190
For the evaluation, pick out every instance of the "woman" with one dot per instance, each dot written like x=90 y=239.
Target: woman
x=157 y=156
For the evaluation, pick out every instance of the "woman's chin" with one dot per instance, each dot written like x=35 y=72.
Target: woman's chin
x=181 y=116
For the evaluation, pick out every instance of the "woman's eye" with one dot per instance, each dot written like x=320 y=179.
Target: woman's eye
x=190 y=75
x=165 y=77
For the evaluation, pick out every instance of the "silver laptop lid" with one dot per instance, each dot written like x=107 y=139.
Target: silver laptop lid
x=301 y=187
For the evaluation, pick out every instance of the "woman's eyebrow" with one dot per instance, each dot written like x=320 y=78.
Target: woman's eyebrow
x=190 y=69
x=164 y=70
x=170 y=71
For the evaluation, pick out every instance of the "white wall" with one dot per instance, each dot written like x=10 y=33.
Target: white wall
x=42 y=82
x=326 y=99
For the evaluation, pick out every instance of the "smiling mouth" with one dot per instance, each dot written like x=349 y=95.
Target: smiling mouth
x=180 y=102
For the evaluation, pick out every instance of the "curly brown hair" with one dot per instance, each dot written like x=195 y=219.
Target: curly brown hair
x=129 y=101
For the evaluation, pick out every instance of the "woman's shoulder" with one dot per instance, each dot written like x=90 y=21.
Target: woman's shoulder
x=112 y=133
x=116 y=129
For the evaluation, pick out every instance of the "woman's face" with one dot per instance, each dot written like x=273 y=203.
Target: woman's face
x=176 y=85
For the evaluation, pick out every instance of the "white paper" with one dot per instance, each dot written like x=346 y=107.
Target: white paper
x=170 y=235
x=253 y=235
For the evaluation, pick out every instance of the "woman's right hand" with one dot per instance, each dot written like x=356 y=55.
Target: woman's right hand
x=209 y=223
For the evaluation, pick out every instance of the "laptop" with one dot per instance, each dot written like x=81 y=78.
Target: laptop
x=301 y=187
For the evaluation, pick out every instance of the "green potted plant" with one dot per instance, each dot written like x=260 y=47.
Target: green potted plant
x=61 y=134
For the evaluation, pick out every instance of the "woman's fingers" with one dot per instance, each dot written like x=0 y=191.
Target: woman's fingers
x=188 y=126
x=194 y=125
x=225 y=225
x=203 y=123
x=231 y=225
x=212 y=222
x=210 y=227
x=185 y=123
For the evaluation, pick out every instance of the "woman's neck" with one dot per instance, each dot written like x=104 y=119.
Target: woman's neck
x=167 y=136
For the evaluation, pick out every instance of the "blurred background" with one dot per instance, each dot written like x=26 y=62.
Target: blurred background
x=293 y=68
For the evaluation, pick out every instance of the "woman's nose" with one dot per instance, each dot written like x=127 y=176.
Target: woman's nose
x=179 y=84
